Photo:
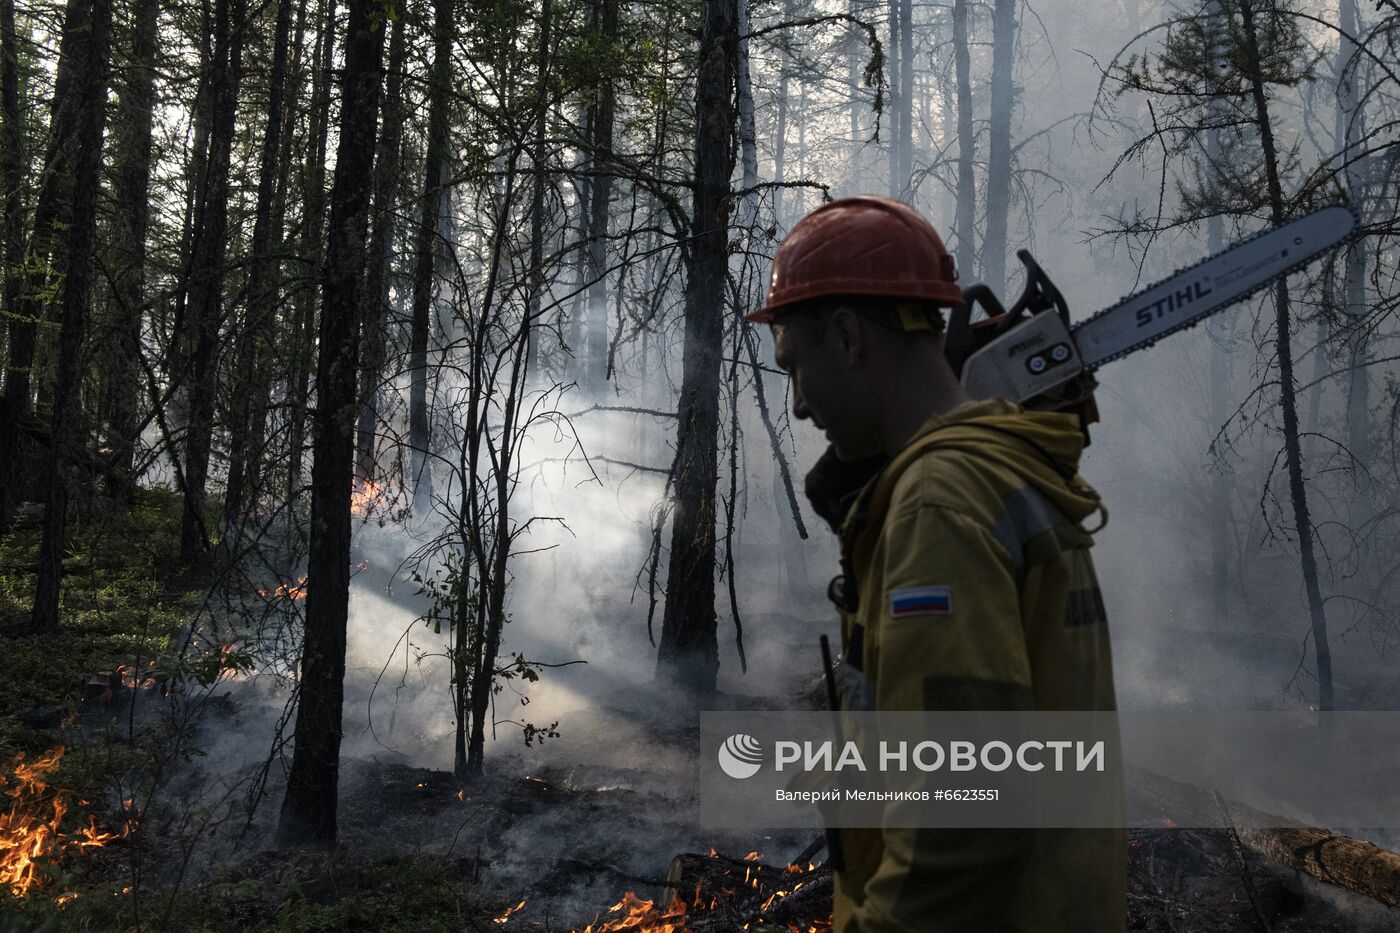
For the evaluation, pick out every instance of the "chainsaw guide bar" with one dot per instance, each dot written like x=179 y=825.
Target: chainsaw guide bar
x=1211 y=285
x=1034 y=355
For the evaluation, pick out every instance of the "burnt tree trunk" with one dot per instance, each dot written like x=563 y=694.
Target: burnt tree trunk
x=207 y=270
x=1298 y=493
x=688 y=656
x=381 y=253
x=999 y=144
x=427 y=247
x=309 y=809
x=91 y=22
x=965 y=217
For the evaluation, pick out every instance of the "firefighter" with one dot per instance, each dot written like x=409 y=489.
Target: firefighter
x=967 y=582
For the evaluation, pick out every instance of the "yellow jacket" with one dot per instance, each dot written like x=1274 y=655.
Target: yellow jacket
x=975 y=591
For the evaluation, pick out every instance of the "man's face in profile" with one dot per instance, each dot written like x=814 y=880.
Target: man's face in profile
x=822 y=355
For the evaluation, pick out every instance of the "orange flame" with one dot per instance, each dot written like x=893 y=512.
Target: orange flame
x=29 y=828
x=366 y=496
x=633 y=913
x=506 y=916
x=287 y=591
x=132 y=680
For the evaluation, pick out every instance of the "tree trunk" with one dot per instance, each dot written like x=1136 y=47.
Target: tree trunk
x=253 y=379
x=428 y=246
x=1351 y=131
x=905 y=142
x=780 y=131
x=207 y=268
x=855 y=43
x=897 y=104
x=1288 y=393
x=1222 y=330
x=90 y=21
x=689 y=654
x=999 y=145
x=309 y=809
x=748 y=129
x=41 y=259
x=14 y=399
x=182 y=345
x=131 y=180
x=965 y=218
x=538 y=159
x=597 y=370
x=313 y=227
x=381 y=254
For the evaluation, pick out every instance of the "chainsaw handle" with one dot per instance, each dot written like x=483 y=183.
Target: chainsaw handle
x=1039 y=294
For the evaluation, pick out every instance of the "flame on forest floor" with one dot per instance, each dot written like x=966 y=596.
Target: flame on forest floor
x=131 y=680
x=288 y=591
x=636 y=913
x=366 y=496
x=30 y=832
x=508 y=911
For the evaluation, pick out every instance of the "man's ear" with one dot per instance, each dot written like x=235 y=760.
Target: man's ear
x=847 y=331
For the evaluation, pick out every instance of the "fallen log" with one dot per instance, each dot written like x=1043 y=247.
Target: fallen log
x=1351 y=863
x=724 y=892
x=1347 y=862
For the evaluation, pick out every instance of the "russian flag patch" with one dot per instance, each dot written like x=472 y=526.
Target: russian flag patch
x=921 y=601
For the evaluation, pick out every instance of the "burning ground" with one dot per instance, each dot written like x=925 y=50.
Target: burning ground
x=590 y=831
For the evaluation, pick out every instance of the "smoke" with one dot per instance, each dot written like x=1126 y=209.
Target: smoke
x=579 y=591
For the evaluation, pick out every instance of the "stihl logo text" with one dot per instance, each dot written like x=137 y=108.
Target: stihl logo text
x=1172 y=301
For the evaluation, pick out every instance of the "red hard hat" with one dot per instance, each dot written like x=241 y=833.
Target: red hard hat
x=863 y=245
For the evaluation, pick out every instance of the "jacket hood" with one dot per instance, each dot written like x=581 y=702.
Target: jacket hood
x=1042 y=447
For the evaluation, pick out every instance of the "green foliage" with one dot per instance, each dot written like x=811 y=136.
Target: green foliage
x=311 y=894
x=120 y=607
x=1206 y=57
x=1200 y=85
x=402 y=894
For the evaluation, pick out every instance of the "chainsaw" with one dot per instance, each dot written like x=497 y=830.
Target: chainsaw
x=1033 y=355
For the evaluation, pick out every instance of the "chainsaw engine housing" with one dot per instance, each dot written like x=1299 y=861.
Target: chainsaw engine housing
x=1033 y=358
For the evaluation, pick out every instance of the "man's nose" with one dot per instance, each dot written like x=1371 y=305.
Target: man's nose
x=800 y=411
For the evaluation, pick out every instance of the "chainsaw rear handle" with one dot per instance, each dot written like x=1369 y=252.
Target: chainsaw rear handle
x=1023 y=354
x=964 y=338
x=1039 y=294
